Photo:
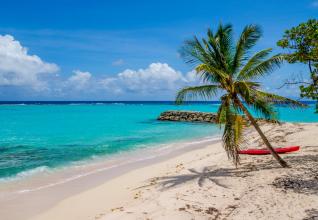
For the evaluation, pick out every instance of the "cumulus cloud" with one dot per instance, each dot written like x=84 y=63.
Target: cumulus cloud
x=79 y=80
x=18 y=68
x=158 y=80
x=154 y=81
x=111 y=85
x=156 y=77
x=30 y=72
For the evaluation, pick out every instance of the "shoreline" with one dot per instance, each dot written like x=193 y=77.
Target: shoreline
x=203 y=184
x=193 y=183
x=88 y=174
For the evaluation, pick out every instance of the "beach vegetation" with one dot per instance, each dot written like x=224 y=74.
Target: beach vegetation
x=302 y=45
x=231 y=71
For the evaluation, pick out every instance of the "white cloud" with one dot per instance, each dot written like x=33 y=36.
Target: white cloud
x=157 y=81
x=118 y=62
x=18 y=68
x=79 y=80
x=192 y=76
x=156 y=77
x=111 y=84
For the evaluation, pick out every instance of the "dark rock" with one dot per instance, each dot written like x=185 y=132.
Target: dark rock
x=192 y=116
x=187 y=116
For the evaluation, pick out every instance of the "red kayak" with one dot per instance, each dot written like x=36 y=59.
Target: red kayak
x=280 y=150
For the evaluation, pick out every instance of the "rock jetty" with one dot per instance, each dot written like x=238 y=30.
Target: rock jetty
x=189 y=116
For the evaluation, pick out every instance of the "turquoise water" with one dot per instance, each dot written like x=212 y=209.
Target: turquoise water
x=33 y=136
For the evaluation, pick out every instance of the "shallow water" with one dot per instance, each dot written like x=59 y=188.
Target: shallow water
x=41 y=136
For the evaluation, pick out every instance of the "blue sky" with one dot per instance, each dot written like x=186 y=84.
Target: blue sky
x=125 y=50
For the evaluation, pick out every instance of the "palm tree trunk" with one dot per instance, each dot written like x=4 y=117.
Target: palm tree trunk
x=260 y=132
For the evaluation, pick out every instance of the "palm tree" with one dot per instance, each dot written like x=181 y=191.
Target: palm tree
x=229 y=68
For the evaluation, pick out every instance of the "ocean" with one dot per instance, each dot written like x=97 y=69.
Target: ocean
x=51 y=135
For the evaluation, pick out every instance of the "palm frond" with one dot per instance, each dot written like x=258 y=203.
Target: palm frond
x=277 y=99
x=225 y=41
x=221 y=113
x=253 y=85
x=189 y=93
x=196 y=52
x=263 y=109
x=260 y=106
x=250 y=35
x=193 y=52
x=214 y=45
x=246 y=90
x=211 y=74
x=225 y=66
x=261 y=69
x=256 y=59
x=211 y=52
x=243 y=88
x=232 y=136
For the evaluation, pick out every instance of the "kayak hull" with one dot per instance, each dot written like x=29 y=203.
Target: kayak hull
x=280 y=150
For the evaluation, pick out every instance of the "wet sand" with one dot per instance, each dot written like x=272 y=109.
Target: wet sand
x=194 y=182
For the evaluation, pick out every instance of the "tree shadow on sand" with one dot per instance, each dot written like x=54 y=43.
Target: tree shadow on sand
x=207 y=174
x=303 y=180
x=302 y=177
x=214 y=174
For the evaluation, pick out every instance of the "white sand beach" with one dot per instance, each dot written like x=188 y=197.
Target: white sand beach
x=148 y=110
x=203 y=184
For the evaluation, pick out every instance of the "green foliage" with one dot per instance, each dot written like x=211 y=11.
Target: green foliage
x=228 y=68
x=302 y=42
x=205 y=91
x=311 y=91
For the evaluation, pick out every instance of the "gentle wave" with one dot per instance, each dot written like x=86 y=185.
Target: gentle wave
x=57 y=136
x=27 y=173
x=160 y=151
